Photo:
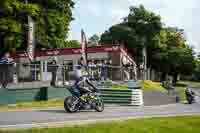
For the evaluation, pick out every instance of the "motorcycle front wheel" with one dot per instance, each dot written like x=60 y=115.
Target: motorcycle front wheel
x=190 y=100
x=71 y=104
x=99 y=105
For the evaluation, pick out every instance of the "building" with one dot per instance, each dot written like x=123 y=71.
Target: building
x=68 y=57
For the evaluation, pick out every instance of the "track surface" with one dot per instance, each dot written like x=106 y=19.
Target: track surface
x=56 y=116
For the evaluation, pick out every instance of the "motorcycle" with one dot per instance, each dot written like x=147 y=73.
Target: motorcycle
x=190 y=99
x=91 y=100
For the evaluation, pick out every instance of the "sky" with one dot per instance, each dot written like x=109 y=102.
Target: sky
x=96 y=16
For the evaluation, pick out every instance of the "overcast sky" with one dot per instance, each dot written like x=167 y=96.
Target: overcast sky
x=96 y=16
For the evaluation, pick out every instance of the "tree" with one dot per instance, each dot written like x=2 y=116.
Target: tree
x=13 y=25
x=196 y=72
x=94 y=40
x=172 y=55
x=167 y=50
x=71 y=44
x=51 y=17
x=139 y=24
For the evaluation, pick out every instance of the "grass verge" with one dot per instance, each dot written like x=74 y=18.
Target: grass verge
x=195 y=85
x=146 y=85
x=30 y=105
x=181 y=91
x=150 y=85
x=189 y=124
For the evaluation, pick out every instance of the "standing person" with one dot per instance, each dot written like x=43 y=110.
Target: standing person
x=54 y=72
x=99 y=66
x=93 y=69
x=89 y=69
x=104 y=70
x=7 y=74
x=130 y=67
x=126 y=71
x=134 y=71
x=109 y=69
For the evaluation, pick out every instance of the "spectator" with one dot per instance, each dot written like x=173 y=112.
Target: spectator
x=6 y=58
x=104 y=70
x=109 y=69
x=90 y=69
x=6 y=75
x=130 y=69
x=54 y=72
x=93 y=68
x=99 y=65
x=134 y=71
x=126 y=71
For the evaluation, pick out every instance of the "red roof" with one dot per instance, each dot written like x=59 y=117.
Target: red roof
x=69 y=51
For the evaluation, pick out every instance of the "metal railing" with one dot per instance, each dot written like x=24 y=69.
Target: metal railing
x=37 y=75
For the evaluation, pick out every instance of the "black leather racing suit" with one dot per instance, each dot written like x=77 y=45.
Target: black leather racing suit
x=81 y=80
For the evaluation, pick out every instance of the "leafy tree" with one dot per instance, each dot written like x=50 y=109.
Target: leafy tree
x=196 y=72
x=138 y=29
x=71 y=44
x=167 y=49
x=94 y=40
x=51 y=17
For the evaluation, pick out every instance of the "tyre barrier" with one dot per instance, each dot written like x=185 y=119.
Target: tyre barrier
x=126 y=96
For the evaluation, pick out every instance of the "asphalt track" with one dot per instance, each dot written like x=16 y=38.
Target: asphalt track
x=51 y=117
x=58 y=117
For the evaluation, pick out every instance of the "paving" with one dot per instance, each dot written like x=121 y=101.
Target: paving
x=53 y=116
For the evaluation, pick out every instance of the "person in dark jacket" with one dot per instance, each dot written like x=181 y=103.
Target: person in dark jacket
x=6 y=58
x=6 y=73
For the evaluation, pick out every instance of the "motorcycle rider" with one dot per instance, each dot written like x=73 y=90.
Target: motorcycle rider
x=189 y=93
x=82 y=77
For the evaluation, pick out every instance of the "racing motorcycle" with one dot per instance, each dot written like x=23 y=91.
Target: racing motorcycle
x=190 y=96
x=190 y=99
x=92 y=100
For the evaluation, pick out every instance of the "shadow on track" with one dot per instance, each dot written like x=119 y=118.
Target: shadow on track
x=60 y=111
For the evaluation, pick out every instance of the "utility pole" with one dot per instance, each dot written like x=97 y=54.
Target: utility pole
x=144 y=51
x=30 y=41
x=30 y=49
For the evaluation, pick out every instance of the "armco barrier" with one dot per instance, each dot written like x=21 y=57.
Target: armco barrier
x=110 y=96
x=126 y=96
x=13 y=96
x=57 y=92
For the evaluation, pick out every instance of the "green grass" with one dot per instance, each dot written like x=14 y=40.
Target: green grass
x=181 y=85
x=188 y=124
x=195 y=85
x=42 y=104
x=150 y=85
x=181 y=90
x=190 y=82
x=146 y=85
